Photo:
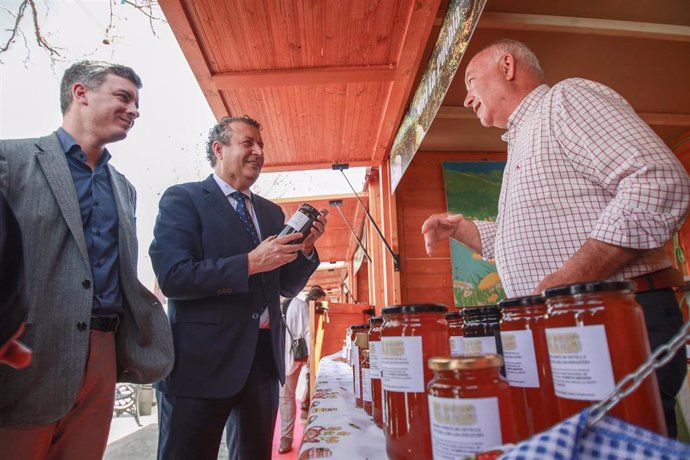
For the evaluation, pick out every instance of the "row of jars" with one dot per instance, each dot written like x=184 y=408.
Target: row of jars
x=444 y=385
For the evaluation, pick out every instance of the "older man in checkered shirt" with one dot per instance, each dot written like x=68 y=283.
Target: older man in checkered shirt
x=589 y=192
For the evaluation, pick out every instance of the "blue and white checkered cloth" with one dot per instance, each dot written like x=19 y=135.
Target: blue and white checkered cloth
x=610 y=438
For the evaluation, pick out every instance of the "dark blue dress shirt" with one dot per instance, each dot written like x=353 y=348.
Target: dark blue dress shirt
x=100 y=220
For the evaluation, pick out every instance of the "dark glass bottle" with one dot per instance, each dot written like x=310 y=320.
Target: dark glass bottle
x=301 y=221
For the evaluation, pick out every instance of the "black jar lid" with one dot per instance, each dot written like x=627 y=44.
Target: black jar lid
x=585 y=288
x=455 y=315
x=375 y=320
x=526 y=301
x=416 y=308
x=355 y=327
x=481 y=310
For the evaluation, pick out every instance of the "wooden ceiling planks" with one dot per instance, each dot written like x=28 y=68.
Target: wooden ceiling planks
x=329 y=80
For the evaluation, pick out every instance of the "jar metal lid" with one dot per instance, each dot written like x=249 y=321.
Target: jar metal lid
x=375 y=320
x=359 y=326
x=585 y=288
x=527 y=301
x=455 y=315
x=416 y=308
x=451 y=363
x=481 y=310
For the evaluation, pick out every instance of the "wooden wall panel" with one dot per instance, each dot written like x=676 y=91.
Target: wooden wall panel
x=420 y=194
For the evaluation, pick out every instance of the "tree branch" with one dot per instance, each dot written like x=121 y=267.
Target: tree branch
x=14 y=29
x=40 y=39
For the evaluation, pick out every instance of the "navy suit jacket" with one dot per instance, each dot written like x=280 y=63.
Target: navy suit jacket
x=199 y=255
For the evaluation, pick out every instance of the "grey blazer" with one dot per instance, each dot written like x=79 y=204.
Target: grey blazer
x=35 y=177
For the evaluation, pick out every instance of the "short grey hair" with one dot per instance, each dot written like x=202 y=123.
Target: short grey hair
x=92 y=74
x=219 y=132
x=520 y=52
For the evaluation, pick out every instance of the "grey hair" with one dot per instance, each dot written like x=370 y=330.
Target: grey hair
x=92 y=74
x=315 y=293
x=520 y=51
x=219 y=132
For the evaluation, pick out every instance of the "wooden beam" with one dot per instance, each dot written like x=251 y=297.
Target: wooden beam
x=280 y=167
x=334 y=196
x=178 y=18
x=309 y=76
x=576 y=25
x=418 y=26
x=456 y=112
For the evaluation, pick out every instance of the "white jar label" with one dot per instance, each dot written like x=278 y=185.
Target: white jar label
x=520 y=359
x=457 y=345
x=479 y=345
x=374 y=365
x=298 y=220
x=461 y=427
x=366 y=385
x=355 y=364
x=402 y=364
x=580 y=362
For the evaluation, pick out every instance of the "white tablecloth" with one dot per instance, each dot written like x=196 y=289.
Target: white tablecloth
x=335 y=427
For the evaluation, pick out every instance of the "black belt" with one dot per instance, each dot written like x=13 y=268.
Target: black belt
x=105 y=323
x=661 y=279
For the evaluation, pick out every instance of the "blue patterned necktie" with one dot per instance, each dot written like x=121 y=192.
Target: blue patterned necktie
x=246 y=219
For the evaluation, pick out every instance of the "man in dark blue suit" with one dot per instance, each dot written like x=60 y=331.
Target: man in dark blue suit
x=223 y=284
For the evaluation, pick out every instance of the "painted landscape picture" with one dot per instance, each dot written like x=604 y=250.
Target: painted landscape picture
x=472 y=189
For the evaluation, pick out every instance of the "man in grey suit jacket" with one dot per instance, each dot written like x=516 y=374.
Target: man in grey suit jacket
x=90 y=320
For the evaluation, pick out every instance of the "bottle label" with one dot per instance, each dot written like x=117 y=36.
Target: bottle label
x=374 y=365
x=580 y=362
x=298 y=220
x=355 y=364
x=520 y=359
x=462 y=427
x=402 y=364
x=457 y=345
x=479 y=345
x=366 y=385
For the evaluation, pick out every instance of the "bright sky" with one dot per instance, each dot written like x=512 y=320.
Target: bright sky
x=166 y=145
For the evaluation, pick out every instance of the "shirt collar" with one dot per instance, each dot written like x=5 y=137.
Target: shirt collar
x=520 y=114
x=228 y=189
x=72 y=148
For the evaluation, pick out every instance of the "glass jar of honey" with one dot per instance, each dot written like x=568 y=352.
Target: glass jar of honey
x=526 y=358
x=366 y=381
x=456 y=332
x=482 y=334
x=596 y=335
x=411 y=334
x=375 y=369
x=347 y=345
x=354 y=359
x=362 y=342
x=470 y=406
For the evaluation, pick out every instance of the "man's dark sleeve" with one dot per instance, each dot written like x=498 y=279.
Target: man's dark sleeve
x=13 y=302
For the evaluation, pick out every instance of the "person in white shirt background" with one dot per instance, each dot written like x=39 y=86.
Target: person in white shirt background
x=297 y=322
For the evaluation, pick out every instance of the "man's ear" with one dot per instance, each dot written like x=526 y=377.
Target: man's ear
x=217 y=149
x=79 y=91
x=508 y=66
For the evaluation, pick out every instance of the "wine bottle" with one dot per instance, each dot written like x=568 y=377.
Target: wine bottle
x=301 y=221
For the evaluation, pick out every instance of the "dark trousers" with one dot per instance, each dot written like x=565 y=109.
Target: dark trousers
x=192 y=428
x=663 y=318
